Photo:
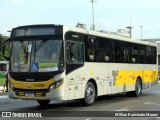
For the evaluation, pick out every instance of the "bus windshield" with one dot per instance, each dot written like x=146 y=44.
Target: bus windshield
x=37 y=56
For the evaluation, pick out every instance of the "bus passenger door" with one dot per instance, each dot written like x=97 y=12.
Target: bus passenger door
x=74 y=68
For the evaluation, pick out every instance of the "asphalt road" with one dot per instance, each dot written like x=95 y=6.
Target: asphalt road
x=105 y=106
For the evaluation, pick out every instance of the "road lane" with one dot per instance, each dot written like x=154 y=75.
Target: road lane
x=149 y=101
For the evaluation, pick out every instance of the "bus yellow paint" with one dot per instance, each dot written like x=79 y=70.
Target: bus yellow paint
x=130 y=76
x=32 y=85
x=91 y=72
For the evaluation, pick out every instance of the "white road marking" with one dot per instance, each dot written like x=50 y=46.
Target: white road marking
x=88 y=118
x=124 y=109
x=151 y=103
x=4 y=97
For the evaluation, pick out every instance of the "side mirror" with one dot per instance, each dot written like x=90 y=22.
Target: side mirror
x=6 y=49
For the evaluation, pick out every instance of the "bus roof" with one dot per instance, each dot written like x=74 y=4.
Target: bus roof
x=108 y=35
x=92 y=33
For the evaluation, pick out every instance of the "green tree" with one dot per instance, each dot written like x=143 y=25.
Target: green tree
x=2 y=39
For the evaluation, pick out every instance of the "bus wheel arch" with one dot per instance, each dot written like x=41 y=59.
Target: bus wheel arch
x=95 y=85
x=90 y=93
x=138 y=88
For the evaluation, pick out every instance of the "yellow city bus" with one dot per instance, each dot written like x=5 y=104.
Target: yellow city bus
x=56 y=62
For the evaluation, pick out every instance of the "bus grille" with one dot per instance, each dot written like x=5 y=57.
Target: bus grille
x=27 y=93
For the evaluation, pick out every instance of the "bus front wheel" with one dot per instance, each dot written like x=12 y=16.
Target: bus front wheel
x=90 y=94
x=43 y=102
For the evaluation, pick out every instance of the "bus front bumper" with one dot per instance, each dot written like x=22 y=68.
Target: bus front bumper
x=57 y=94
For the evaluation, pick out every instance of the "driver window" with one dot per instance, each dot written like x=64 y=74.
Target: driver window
x=75 y=52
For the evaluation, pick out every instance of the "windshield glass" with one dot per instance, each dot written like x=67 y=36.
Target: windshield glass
x=37 y=56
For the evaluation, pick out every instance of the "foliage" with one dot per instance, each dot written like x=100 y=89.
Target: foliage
x=2 y=39
x=2 y=81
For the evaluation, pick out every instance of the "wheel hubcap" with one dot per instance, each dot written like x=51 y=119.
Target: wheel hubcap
x=138 y=88
x=90 y=95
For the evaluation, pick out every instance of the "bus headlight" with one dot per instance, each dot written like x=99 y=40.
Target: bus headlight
x=52 y=87
x=58 y=83
x=11 y=86
x=55 y=85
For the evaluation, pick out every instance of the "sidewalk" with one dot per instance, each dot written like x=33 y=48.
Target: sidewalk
x=3 y=93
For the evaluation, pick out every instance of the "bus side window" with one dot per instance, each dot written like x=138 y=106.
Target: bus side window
x=134 y=51
x=75 y=52
x=72 y=53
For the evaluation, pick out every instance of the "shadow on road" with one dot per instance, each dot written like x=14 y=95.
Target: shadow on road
x=76 y=104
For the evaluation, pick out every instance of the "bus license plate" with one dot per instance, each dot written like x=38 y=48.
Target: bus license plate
x=29 y=94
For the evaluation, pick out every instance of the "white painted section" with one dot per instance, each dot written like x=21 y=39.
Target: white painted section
x=150 y=103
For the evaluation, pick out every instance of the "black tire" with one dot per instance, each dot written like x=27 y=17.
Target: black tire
x=43 y=102
x=90 y=94
x=138 y=89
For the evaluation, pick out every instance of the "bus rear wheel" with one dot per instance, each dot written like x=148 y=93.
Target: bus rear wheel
x=90 y=94
x=43 y=102
x=138 y=86
x=138 y=89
